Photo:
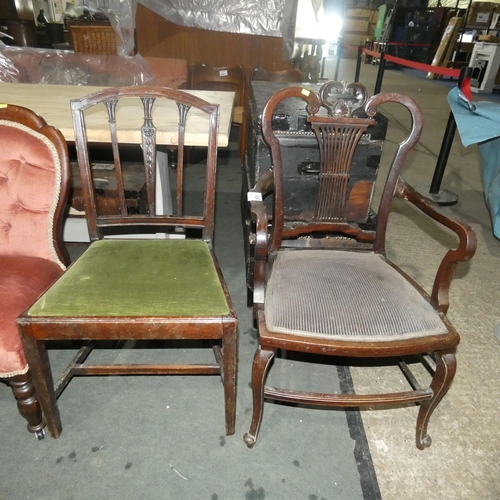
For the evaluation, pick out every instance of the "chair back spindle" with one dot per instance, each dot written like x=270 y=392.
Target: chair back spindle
x=171 y=119
x=337 y=143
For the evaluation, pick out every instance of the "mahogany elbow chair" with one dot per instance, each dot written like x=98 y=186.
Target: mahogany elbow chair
x=34 y=180
x=315 y=294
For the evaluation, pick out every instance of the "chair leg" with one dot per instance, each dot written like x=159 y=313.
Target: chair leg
x=230 y=362
x=27 y=403
x=41 y=374
x=446 y=366
x=261 y=363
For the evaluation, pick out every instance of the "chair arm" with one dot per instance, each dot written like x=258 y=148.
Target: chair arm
x=258 y=212
x=465 y=250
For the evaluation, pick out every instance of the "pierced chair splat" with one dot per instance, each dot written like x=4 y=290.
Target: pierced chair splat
x=318 y=297
x=147 y=275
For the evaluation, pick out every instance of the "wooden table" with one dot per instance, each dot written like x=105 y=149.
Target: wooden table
x=52 y=103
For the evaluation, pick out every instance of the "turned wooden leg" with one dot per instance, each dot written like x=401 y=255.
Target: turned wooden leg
x=261 y=363
x=446 y=366
x=27 y=403
x=230 y=364
x=39 y=364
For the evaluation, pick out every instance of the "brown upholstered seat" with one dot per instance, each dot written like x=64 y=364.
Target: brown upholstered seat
x=311 y=294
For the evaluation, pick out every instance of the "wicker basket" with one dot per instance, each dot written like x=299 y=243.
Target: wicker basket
x=88 y=39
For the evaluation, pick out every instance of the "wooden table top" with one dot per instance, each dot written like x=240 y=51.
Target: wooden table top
x=52 y=103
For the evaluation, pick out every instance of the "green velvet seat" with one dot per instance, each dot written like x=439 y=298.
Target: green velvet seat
x=167 y=278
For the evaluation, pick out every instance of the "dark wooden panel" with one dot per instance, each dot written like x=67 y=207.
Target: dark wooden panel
x=155 y=36
x=25 y=9
x=7 y=9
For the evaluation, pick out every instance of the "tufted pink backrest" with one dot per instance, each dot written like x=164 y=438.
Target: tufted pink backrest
x=29 y=188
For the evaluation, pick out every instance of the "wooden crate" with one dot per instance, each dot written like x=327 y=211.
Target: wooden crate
x=90 y=39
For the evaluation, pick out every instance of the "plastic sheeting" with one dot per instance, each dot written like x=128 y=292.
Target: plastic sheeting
x=237 y=16
x=257 y=17
x=61 y=67
x=479 y=123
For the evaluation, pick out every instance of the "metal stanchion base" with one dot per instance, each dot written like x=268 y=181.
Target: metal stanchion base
x=443 y=197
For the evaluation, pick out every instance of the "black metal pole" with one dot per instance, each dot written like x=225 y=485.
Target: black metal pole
x=358 y=63
x=449 y=133
x=340 y=43
x=380 y=74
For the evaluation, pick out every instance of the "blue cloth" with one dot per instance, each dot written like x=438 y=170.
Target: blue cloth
x=479 y=123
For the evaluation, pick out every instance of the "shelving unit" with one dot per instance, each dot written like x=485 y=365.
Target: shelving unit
x=479 y=18
x=485 y=61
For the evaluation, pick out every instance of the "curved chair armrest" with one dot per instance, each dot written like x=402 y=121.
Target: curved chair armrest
x=264 y=186
x=258 y=212
x=465 y=250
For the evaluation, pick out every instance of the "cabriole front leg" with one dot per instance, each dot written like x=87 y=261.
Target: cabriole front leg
x=261 y=363
x=446 y=366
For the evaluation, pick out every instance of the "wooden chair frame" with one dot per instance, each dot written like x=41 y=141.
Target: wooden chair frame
x=270 y=241
x=204 y=77
x=221 y=331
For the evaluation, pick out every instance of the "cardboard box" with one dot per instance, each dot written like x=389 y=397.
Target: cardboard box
x=480 y=13
x=446 y=46
x=488 y=38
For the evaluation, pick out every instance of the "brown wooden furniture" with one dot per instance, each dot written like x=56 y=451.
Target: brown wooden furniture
x=34 y=174
x=167 y=287
x=108 y=199
x=285 y=75
x=204 y=77
x=317 y=295
x=155 y=36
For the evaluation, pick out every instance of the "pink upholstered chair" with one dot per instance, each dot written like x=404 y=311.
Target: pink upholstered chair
x=34 y=177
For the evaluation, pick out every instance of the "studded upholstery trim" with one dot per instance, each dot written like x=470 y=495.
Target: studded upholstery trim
x=346 y=296
x=15 y=373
